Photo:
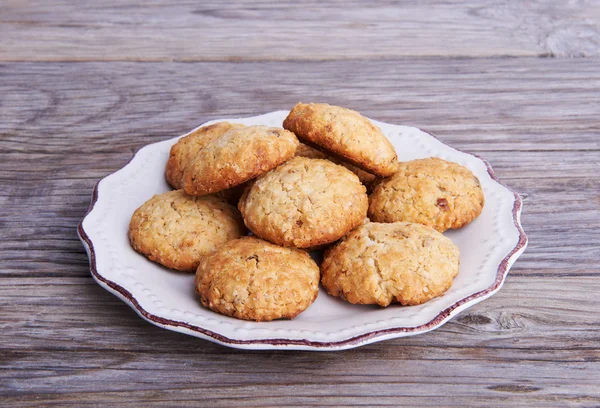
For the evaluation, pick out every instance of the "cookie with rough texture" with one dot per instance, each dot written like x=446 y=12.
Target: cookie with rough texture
x=236 y=157
x=176 y=230
x=185 y=150
x=252 y=279
x=304 y=150
x=304 y=203
x=380 y=264
x=430 y=191
x=344 y=133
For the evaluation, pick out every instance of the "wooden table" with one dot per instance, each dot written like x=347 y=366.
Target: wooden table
x=84 y=85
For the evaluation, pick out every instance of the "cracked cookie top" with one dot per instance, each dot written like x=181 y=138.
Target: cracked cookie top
x=252 y=279
x=176 y=230
x=430 y=191
x=237 y=156
x=304 y=203
x=387 y=263
x=185 y=150
x=344 y=133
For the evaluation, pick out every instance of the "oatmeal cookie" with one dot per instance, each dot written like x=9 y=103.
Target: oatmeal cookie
x=185 y=150
x=304 y=203
x=430 y=191
x=252 y=279
x=343 y=133
x=176 y=230
x=384 y=263
x=236 y=157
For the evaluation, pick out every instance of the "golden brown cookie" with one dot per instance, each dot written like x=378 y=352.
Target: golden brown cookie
x=252 y=279
x=383 y=263
x=185 y=150
x=344 y=133
x=430 y=191
x=304 y=150
x=236 y=157
x=176 y=230
x=304 y=203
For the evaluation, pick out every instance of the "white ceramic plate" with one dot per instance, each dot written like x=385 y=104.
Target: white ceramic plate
x=488 y=248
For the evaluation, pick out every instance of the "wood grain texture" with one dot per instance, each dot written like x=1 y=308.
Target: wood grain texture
x=64 y=340
x=533 y=105
x=312 y=30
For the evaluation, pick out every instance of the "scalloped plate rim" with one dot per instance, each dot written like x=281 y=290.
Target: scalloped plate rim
x=306 y=344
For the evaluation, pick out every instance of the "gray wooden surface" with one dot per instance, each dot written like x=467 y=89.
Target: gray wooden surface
x=83 y=86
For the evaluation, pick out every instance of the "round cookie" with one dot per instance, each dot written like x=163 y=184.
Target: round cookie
x=252 y=279
x=176 y=230
x=430 y=191
x=304 y=150
x=185 y=150
x=343 y=133
x=304 y=203
x=236 y=157
x=384 y=263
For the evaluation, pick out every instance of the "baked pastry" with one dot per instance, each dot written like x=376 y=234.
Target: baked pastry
x=345 y=134
x=252 y=279
x=236 y=157
x=176 y=230
x=185 y=150
x=304 y=203
x=304 y=150
x=385 y=263
x=430 y=191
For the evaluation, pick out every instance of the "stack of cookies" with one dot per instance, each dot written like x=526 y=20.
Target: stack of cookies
x=382 y=248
